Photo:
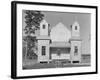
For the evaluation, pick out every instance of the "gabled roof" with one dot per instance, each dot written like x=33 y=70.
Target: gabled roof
x=44 y=21
x=60 y=33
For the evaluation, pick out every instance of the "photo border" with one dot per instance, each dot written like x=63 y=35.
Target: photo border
x=14 y=38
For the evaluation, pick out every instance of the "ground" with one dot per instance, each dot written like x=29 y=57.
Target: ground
x=32 y=64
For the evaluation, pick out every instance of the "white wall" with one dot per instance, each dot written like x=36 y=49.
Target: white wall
x=44 y=31
x=78 y=44
x=5 y=40
x=40 y=44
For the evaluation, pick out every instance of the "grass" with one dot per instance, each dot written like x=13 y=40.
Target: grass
x=33 y=64
x=53 y=65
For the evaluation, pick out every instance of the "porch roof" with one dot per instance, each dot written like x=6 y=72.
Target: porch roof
x=44 y=37
x=60 y=44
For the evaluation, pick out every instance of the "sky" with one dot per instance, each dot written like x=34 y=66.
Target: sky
x=84 y=20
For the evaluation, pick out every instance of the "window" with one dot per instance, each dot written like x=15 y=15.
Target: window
x=58 y=52
x=76 y=50
x=43 y=50
x=68 y=50
x=75 y=27
x=43 y=26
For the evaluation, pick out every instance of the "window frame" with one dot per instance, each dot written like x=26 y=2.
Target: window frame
x=43 y=48
x=75 y=50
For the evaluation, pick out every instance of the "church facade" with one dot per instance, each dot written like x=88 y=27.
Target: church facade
x=59 y=43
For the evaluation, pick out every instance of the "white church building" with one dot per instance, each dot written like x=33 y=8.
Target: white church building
x=59 y=43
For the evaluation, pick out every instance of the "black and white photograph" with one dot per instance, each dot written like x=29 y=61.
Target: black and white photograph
x=53 y=39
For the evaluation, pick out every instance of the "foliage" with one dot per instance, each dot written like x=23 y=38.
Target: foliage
x=32 y=20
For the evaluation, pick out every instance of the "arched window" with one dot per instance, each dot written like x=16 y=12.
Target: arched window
x=75 y=50
x=43 y=26
x=75 y=27
x=43 y=50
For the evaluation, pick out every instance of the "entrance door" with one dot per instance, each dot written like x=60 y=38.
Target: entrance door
x=59 y=53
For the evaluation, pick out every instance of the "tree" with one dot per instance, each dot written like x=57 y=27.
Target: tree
x=32 y=20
